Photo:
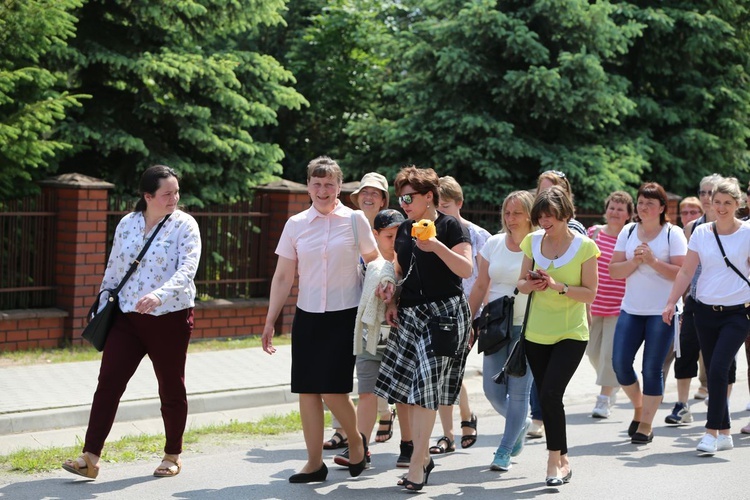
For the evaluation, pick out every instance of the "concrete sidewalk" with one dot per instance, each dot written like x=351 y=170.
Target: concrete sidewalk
x=48 y=405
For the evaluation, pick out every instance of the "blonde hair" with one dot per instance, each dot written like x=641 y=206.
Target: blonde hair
x=692 y=200
x=729 y=186
x=526 y=201
x=450 y=189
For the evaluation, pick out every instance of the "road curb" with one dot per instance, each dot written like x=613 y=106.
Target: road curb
x=131 y=411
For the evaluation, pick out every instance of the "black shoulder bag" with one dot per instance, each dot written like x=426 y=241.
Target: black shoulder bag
x=724 y=255
x=99 y=324
x=495 y=323
x=442 y=328
x=515 y=365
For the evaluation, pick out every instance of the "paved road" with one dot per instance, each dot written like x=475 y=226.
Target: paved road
x=605 y=464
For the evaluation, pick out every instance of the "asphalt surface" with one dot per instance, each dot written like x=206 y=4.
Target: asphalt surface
x=47 y=405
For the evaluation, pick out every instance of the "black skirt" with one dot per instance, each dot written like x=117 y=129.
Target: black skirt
x=322 y=352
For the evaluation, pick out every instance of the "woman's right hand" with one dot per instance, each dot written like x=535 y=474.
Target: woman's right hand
x=391 y=315
x=668 y=313
x=267 y=339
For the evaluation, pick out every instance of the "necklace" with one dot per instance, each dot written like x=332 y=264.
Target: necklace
x=558 y=249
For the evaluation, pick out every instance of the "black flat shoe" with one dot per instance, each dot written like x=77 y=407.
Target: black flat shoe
x=357 y=469
x=412 y=486
x=553 y=481
x=566 y=477
x=633 y=428
x=641 y=438
x=310 y=477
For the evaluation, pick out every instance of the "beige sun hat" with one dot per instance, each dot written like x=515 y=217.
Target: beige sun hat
x=371 y=179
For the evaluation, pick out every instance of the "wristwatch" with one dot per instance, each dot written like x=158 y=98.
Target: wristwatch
x=564 y=290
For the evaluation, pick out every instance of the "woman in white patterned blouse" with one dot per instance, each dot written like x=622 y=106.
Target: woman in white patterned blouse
x=156 y=305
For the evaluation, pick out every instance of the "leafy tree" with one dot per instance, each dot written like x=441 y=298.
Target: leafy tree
x=178 y=82
x=495 y=92
x=612 y=93
x=689 y=80
x=337 y=51
x=32 y=97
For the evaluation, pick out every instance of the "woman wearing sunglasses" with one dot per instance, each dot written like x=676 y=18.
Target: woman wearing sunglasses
x=432 y=271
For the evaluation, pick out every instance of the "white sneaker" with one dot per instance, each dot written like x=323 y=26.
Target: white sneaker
x=724 y=442
x=747 y=408
x=601 y=410
x=707 y=446
x=535 y=431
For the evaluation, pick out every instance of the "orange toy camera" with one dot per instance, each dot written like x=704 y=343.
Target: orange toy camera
x=423 y=229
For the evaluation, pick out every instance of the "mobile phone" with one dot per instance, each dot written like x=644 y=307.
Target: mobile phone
x=535 y=275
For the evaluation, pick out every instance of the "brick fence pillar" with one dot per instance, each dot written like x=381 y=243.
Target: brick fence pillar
x=283 y=199
x=80 y=245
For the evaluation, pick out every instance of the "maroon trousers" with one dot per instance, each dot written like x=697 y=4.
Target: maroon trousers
x=165 y=339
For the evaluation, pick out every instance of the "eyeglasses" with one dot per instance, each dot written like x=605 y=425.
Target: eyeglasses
x=705 y=193
x=407 y=199
x=557 y=173
x=690 y=212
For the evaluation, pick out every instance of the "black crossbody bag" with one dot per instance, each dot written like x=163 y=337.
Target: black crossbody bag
x=724 y=255
x=100 y=322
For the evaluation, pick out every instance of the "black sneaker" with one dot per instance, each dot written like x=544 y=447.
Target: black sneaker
x=343 y=458
x=407 y=448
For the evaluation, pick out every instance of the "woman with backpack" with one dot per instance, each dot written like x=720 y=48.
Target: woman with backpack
x=648 y=254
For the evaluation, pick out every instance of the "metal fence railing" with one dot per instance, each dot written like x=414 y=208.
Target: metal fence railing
x=27 y=229
x=233 y=252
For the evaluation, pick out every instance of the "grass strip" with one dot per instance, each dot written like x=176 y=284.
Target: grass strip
x=145 y=446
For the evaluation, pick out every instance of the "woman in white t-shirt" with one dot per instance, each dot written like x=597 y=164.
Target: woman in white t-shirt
x=648 y=254
x=499 y=266
x=722 y=303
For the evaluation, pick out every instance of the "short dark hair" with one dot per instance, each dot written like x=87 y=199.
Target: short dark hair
x=150 y=183
x=555 y=202
x=654 y=191
x=423 y=180
x=324 y=166
x=621 y=197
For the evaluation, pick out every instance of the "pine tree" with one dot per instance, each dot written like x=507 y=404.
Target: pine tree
x=178 y=82
x=33 y=100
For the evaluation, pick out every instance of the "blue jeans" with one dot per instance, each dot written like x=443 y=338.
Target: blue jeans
x=721 y=334
x=631 y=331
x=511 y=400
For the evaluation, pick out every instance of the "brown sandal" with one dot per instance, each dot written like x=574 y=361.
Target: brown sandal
x=89 y=470
x=170 y=471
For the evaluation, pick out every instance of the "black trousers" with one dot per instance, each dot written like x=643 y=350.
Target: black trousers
x=553 y=366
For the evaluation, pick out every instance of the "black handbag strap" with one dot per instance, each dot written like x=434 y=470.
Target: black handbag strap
x=137 y=260
x=528 y=307
x=724 y=255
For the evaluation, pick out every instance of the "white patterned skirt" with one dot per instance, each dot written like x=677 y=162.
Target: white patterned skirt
x=410 y=373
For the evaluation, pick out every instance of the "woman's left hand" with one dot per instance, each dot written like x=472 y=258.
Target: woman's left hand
x=384 y=292
x=147 y=304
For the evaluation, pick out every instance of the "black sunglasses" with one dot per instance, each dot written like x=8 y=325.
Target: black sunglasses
x=407 y=199
x=557 y=173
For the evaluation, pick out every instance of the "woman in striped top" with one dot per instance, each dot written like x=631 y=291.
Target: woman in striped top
x=604 y=311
